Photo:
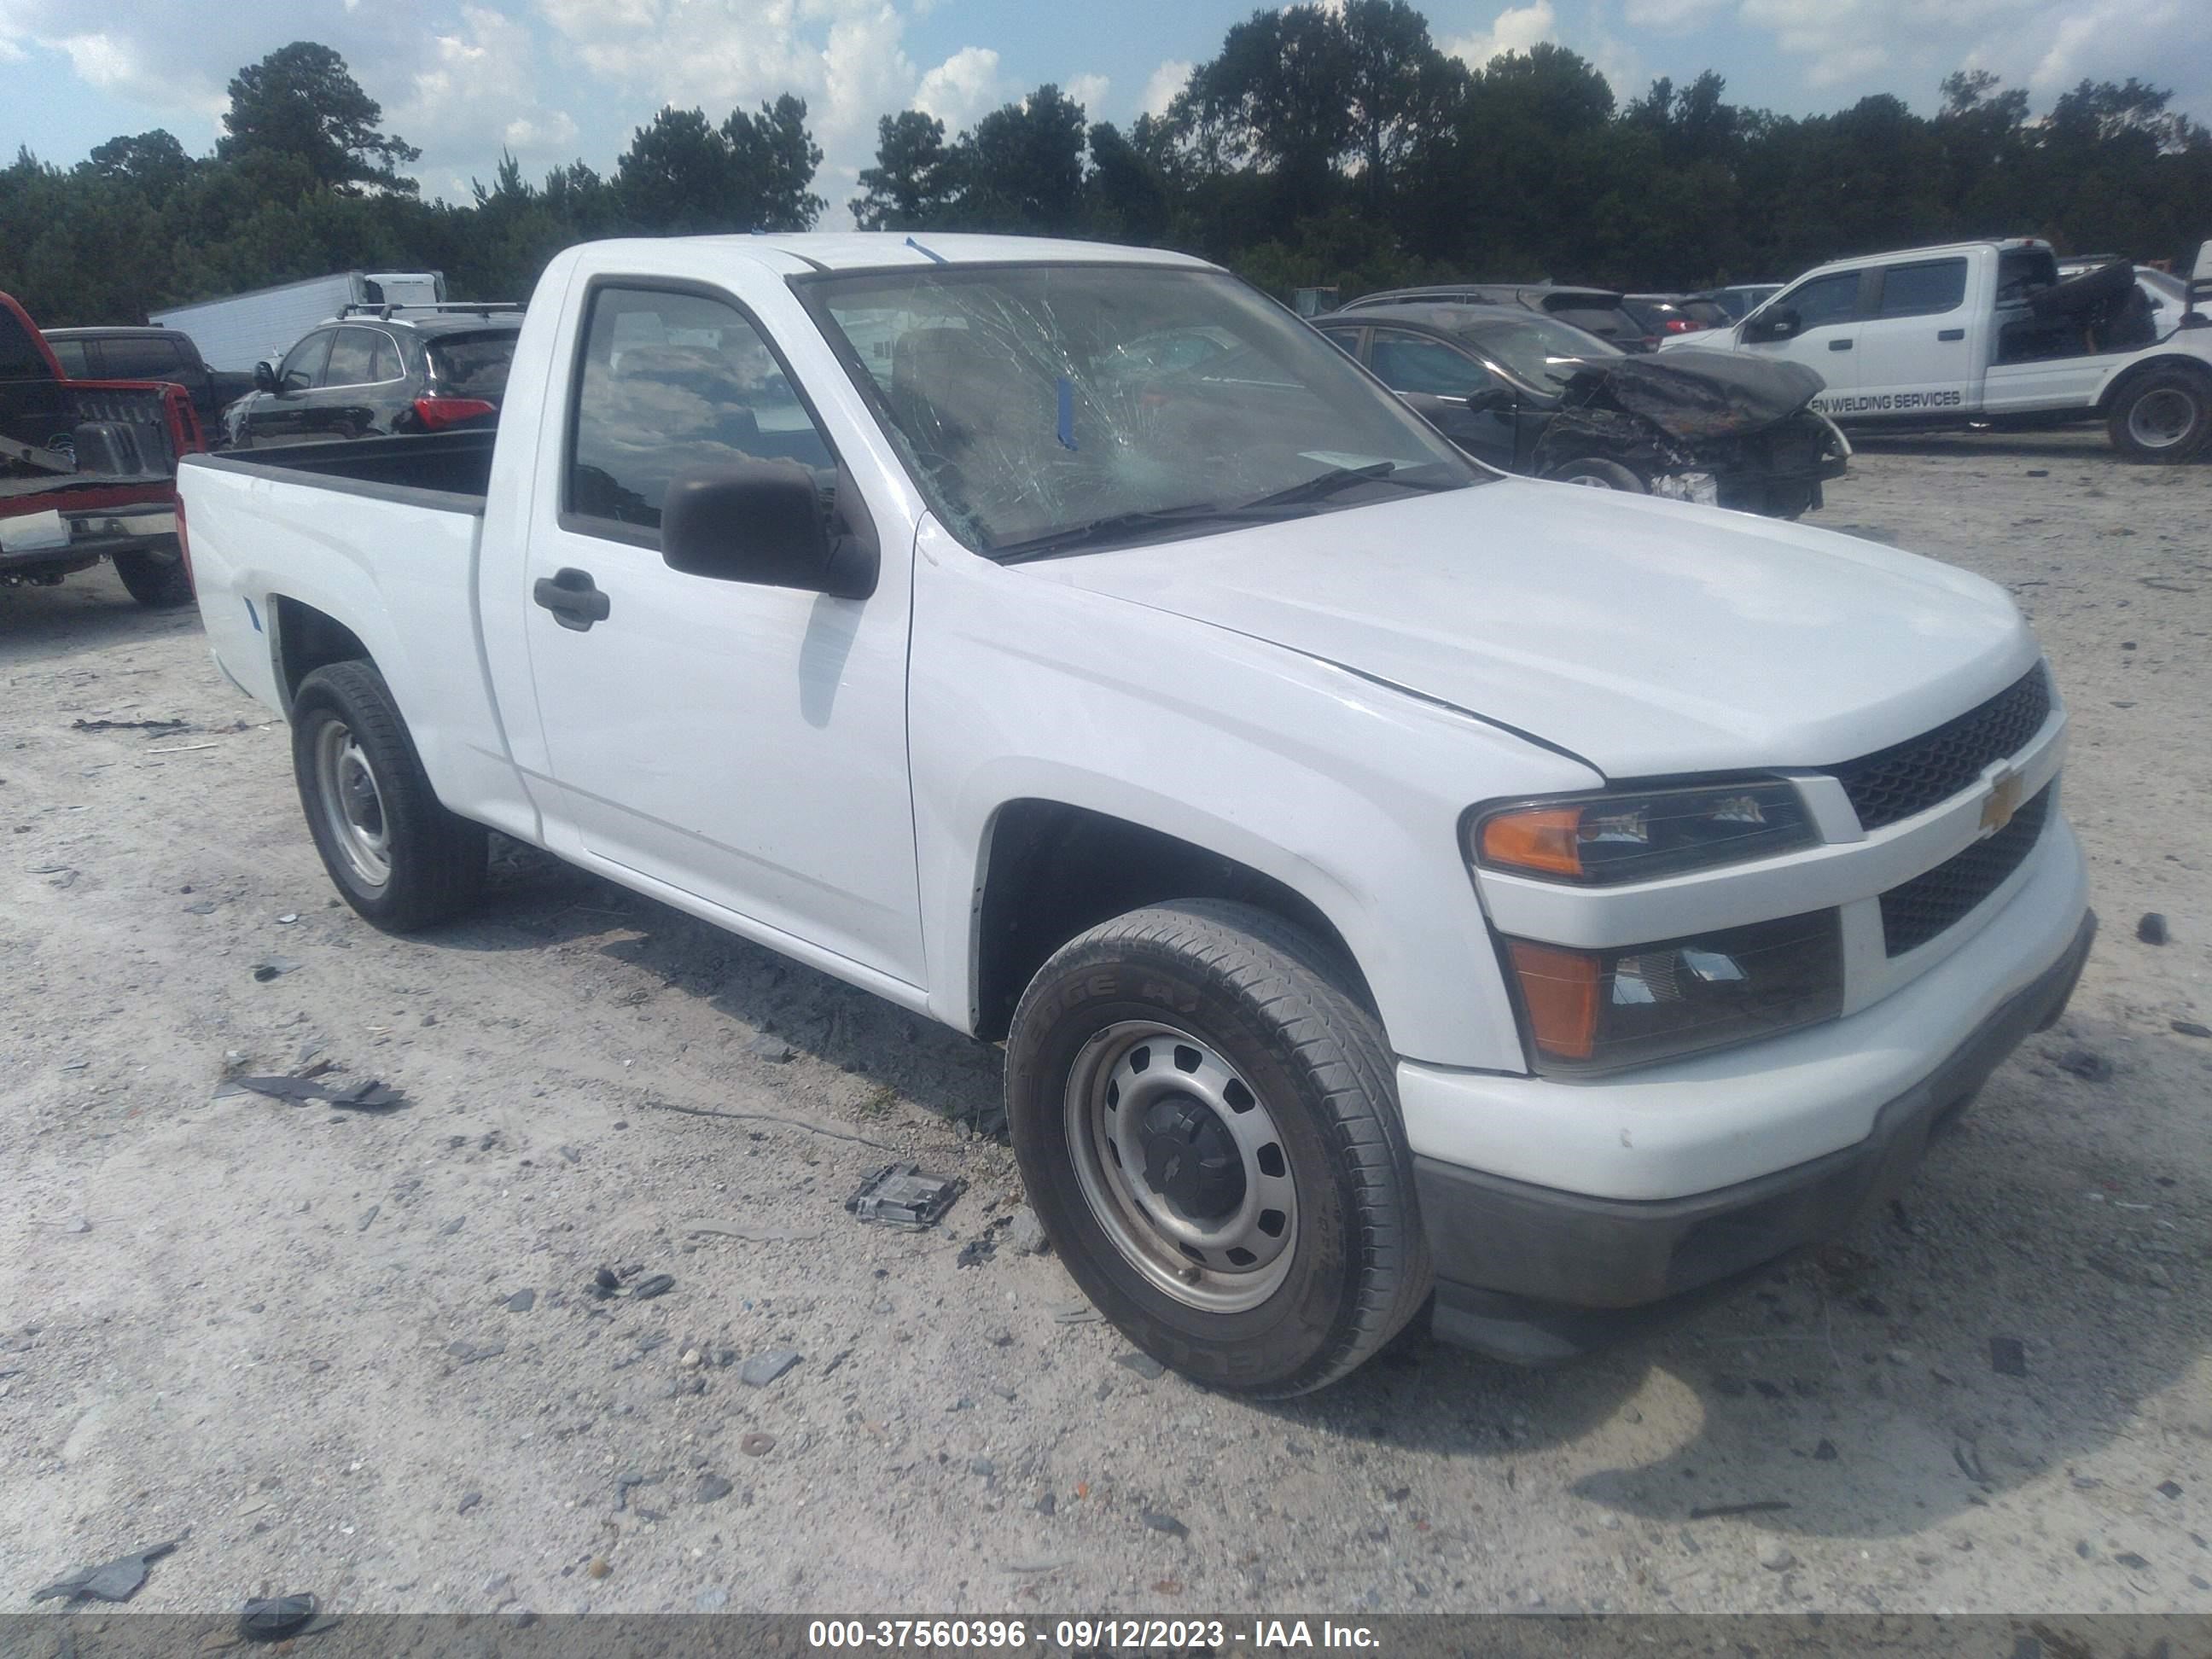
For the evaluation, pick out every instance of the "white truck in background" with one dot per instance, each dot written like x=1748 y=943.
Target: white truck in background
x=1986 y=334
x=1398 y=885
x=241 y=330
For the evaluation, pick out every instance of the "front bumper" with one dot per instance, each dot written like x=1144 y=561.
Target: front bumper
x=1532 y=1273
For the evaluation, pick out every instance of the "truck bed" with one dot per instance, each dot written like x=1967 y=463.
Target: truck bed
x=451 y=470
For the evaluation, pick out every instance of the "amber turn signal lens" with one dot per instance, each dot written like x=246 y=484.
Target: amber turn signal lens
x=1559 y=990
x=1547 y=838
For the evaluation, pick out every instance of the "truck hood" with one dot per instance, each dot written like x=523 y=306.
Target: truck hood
x=1646 y=637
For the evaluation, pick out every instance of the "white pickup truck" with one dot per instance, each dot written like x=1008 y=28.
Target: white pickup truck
x=1390 y=879
x=1986 y=334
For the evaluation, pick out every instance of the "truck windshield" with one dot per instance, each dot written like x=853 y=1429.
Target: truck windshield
x=1051 y=409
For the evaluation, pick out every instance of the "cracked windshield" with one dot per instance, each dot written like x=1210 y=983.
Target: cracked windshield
x=1057 y=410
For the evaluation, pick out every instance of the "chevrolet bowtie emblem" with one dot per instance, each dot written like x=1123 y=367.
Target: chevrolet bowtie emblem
x=2003 y=802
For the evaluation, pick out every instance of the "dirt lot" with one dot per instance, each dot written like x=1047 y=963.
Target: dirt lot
x=287 y=1330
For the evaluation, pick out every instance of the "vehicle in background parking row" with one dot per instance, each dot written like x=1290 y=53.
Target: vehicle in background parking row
x=87 y=470
x=381 y=372
x=118 y=352
x=1663 y=314
x=1594 y=310
x=1528 y=394
x=1388 y=877
x=237 y=331
x=1986 y=334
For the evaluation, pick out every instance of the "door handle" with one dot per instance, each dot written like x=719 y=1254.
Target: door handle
x=572 y=598
x=1839 y=346
x=1950 y=333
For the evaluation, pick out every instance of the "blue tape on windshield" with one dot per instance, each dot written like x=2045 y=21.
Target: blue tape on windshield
x=1067 y=413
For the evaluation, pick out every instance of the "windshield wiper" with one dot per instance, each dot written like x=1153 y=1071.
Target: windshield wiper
x=1324 y=485
x=1120 y=524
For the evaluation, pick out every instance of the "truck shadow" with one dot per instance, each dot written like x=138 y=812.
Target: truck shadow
x=88 y=611
x=2041 y=1283
x=537 y=900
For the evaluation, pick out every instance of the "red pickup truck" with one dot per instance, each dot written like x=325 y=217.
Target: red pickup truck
x=87 y=469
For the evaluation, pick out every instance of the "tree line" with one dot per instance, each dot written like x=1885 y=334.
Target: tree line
x=1322 y=146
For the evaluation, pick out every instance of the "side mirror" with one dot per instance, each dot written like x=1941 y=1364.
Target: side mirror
x=264 y=376
x=1773 y=325
x=1494 y=399
x=765 y=522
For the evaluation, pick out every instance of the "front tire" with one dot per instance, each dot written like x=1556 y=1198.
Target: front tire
x=1207 y=1126
x=2164 y=416
x=397 y=855
x=158 y=578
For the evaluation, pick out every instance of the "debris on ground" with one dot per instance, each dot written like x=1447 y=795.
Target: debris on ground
x=2168 y=1489
x=1774 y=1555
x=900 y=1195
x=751 y=1233
x=2151 y=930
x=367 y=1095
x=272 y=1618
x=1024 y=1232
x=773 y=1049
x=156 y=728
x=2191 y=1028
x=111 y=1580
x=273 y=967
x=2007 y=1355
x=2085 y=1063
x=1143 y=1364
x=764 y=1369
x=1159 y=1522
x=606 y=1285
x=467 y=1354
x=757 y=1444
x=714 y=1488
x=977 y=1251
x=522 y=1302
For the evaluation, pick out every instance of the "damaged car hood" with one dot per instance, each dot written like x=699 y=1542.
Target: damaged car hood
x=1647 y=637
x=1699 y=394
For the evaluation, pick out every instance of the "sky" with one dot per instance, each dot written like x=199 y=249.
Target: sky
x=554 y=81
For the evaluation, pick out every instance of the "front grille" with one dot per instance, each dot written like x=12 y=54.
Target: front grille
x=1910 y=777
x=1915 y=911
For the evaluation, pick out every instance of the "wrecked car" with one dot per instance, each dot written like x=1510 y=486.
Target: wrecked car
x=87 y=469
x=1532 y=395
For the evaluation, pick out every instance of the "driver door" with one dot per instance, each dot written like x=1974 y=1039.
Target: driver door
x=1827 y=338
x=1450 y=389
x=743 y=743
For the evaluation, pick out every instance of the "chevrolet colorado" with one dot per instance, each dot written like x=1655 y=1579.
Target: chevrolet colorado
x=1397 y=885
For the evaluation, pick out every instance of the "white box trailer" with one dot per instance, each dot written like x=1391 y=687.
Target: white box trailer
x=235 y=332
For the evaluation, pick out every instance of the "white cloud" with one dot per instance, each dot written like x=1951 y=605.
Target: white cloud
x=1090 y=91
x=961 y=88
x=1169 y=79
x=1671 y=14
x=478 y=91
x=1514 y=29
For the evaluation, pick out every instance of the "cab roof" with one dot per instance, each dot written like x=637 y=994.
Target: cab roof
x=876 y=249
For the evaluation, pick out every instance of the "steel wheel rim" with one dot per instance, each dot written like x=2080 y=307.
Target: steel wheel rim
x=2161 y=419
x=1588 y=481
x=1128 y=1086
x=353 y=804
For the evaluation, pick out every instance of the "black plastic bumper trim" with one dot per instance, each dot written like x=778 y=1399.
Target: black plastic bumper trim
x=1533 y=1273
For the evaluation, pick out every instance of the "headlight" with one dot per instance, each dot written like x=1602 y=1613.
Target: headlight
x=1597 y=1010
x=1641 y=835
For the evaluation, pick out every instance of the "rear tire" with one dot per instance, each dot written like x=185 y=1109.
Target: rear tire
x=397 y=855
x=1207 y=1128
x=157 y=578
x=1597 y=473
x=2164 y=416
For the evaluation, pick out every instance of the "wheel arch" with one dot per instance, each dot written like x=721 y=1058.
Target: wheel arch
x=2123 y=378
x=302 y=639
x=1049 y=870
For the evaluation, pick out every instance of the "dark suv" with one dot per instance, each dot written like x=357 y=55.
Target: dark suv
x=378 y=371
x=113 y=351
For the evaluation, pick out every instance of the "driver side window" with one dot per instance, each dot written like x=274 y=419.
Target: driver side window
x=1824 y=299
x=303 y=363
x=1414 y=362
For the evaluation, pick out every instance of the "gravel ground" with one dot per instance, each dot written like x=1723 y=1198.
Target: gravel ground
x=294 y=1333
